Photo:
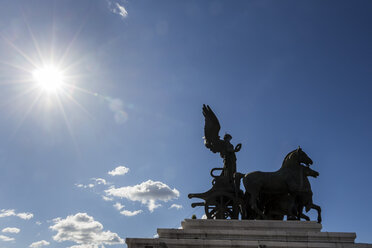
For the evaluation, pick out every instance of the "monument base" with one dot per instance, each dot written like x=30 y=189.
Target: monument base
x=247 y=233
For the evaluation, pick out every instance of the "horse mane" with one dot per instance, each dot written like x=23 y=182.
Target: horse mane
x=287 y=157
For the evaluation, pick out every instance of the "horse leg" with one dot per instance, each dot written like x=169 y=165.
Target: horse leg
x=253 y=205
x=292 y=213
x=252 y=193
x=244 y=207
x=300 y=213
x=303 y=216
x=319 y=210
x=291 y=208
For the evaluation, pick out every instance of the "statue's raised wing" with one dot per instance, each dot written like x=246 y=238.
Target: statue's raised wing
x=211 y=129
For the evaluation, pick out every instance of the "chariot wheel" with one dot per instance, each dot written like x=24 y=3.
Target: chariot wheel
x=222 y=206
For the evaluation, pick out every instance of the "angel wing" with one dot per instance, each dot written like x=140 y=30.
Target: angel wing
x=211 y=129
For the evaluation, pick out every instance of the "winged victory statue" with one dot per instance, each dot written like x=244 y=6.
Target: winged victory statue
x=222 y=146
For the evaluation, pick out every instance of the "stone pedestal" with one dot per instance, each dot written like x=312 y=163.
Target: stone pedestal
x=247 y=233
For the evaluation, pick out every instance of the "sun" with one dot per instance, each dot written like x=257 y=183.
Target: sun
x=49 y=78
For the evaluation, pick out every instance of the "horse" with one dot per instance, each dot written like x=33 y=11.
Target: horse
x=305 y=197
x=277 y=205
x=290 y=179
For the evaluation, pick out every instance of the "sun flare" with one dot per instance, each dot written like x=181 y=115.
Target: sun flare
x=49 y=78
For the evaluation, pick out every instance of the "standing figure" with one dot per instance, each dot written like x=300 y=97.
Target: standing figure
x=213 y=142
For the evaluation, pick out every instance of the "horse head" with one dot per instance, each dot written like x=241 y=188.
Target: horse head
x=310 y=173
x=297 y=157
x=303 y=158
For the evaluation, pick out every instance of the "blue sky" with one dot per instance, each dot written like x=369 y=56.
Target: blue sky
x=119 y=145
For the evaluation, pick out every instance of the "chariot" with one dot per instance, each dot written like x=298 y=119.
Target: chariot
x=224 y=200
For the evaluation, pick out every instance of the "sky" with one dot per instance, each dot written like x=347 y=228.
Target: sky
x=101 y=124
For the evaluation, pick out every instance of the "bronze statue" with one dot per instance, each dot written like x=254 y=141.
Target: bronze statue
x=225 y=199
x=213 y=142
x=276 y=205
x=268 y=195
x=290 y=180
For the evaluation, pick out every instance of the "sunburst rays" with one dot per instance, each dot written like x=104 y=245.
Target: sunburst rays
x=44 y=77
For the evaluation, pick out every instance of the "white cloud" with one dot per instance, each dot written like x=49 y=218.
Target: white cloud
x=125 y=212
x=118 y=171
x=116 y=8
x=97 y=181
x=105 y=198
x=122 y=11
x=11 y=230
x=152 y=205
x=7 y=212
x=204 y=217
x=176 y=206
x=25 y=216
x=38 y=223
x=147 y=193
x=118 y=206
x=83 y=230
x=6 y=238
x=100 y=181
x=91 y=185
x=11 y=212
x=39 y=244
x=130 y=213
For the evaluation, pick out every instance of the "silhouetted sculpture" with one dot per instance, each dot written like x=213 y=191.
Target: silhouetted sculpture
x=225 y=199
x=267 y=192
x=268 y=195
x=213 y=142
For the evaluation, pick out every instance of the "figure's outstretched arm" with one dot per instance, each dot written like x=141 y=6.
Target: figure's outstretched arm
x=238 y=147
